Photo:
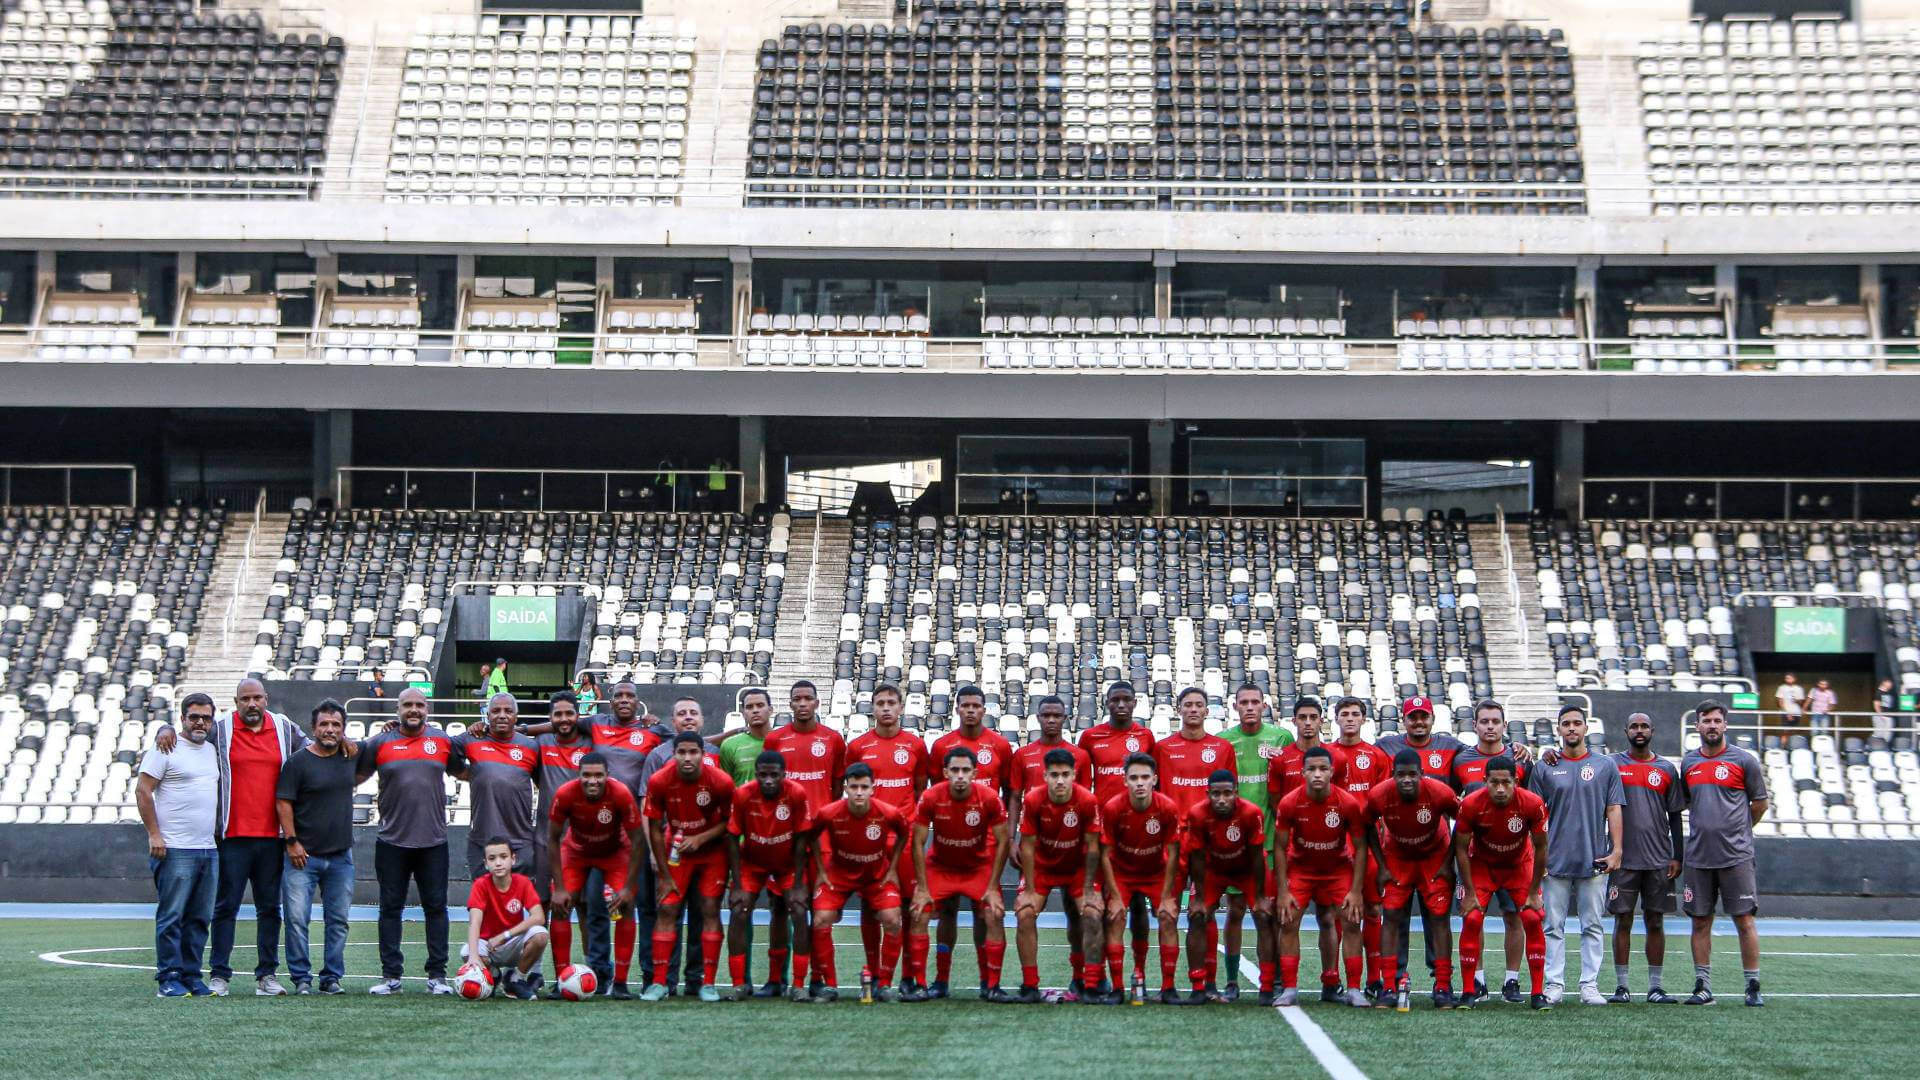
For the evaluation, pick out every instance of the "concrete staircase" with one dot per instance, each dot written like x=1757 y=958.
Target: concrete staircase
x=217 y=658
x=1519 y=670
x=1606 y=90
x=362 y=132
x=722 y=120
x=808 y=630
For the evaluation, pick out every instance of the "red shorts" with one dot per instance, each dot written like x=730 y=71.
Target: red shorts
x=704 y=871
x=1425 y=877
x=944 y=884
x=1213 y=887
x=876 y=895
x=1069 y=884
x=754 y=878
x=573 y=870
x=1143 y=887
x=1326 y=887
x=1517 y=881
x=903 y=861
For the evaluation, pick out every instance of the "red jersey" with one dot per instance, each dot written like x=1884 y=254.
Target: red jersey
x=898 y=762
x=1417 y=829
x=860 y=849
x=253 y=774
x=1108 y=750
x=1503 y=835
x=815 y=759
x=1059 y=831
x=962 y=829
x=1030 y=765
x=1232 y=843
x=595 y=829
x=1136 y=840
x=1321 y=835
x=1360 y=766
x=501 y=911
x=1287 y=770
x=1186 y=763
x=766 y=828
x=690 y=806
x=993 y=758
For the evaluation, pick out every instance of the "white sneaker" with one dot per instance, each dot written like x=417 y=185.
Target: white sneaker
x=1590 y=995
x=387 y=986
x=1555 y=993
x=218 y=986
x=439 y=986
x=269 y=987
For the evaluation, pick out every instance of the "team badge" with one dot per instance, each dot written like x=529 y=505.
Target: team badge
x=701 y=798
x=1207 y=755
x=1514 y=824
x=605 y=815
x=1655 y=778
x=1363 y=762
x=873 y=832
x=1153 y=826
x=573 y=759
x=1424 y=817
x=902 y=755
x=637 y=738
x=1269 y=751
x=430 y=747
x=1613 y=892
x=1069 y=819
x=1133 y=746
x=973 y=817
x=1333 y=819
x=1433 y=761
x=513 y=907
x=1719 y=771
x=514 y=753
x=1687 y=894
x=984 y=756
x=1586 y=773
x=1233 y=834
x=781 y=813
x=819 y=748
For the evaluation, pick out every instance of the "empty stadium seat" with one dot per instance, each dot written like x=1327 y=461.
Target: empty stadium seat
x=367 y=330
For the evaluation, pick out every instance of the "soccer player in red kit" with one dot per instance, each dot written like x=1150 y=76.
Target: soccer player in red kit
x=1410 y=843
x=1060 y=849
x=815 y=753
x=689 y=804
x=967 y=824
x=898 y=759
x=1320 y=856
x=1502 y=837
x=1225 y=841
x=766 y=847
x=1030 y=761
x=1108 y=745
x=600 y=823
x=857 y=839
x=1469 y=775
x=1140 y=857
x=993 y=756
x=1189 y=756
x=1285 y=774
x=1360 y=766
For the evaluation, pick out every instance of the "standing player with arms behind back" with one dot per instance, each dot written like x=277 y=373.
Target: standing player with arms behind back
x=1469 y=775
x=1226 y=844
x=815 y=755
x=1319 y=860
x=993 y=757
x=857 y=840
x=1361 y=765
x=1653 y=838
x=561 y=750
x=1285 y=774
x=689 y=804
x=1407 y=818
x=1108 y=745
x=967 y=824
x=767 y=845
x=1060 y=849
x=1726 y=792
x=594 y=825
x=898 y=759
x=1503 y=836
x=1255 y=744
x=1140 y=858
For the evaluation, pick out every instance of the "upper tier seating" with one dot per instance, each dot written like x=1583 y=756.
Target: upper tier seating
x=1265 y=91
x=97 y=610
x=1649 y=604
x=1770 y=117
x=535 y=109
x=1025 y=607
x=686 y=598
x=156 y=87
x=1494 y=343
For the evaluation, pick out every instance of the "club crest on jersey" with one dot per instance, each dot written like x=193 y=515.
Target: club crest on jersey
x=514 y=753
x=902 y=755
x=1363 y=762
x=1069 y=819
x=1586 y=773
x=1207 y=755
x=1233 y=834
x=701 y=798
x=1613 y=892
x=513 y=907
x=1655 y=778
x=781 y=813
x=973 y=817
x=1433 y=761
x=819 y=748
x=1133 y=746
x=1153 y=826
x=1687 y=894
x=1719 y=771
x=430 y=747
x=605 y=815
x=1514 y=824
x=573 y=759
x=873 y=832
x=1333 y=819
x=637 y=738
x=1269 y=751
x=984 y=756
x=1424 y=816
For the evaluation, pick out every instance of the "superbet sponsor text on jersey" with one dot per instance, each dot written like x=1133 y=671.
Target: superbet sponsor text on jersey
x=596 y=828
x=1059 y=830
x=961 y=829
x=1414 y=829
x=1503 y=835
x=1136 y=839
x=690 y=806
x=1232 y=843
x=860 y=848
x=1186 y=763
x=766 y=828
x=1359 y=767
x=898 y=763
x=1108 y=749
x=992 y=757
x=814 y=759
x=1030 y=765
x=1319 y=832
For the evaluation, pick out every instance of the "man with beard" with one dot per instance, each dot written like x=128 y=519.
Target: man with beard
x=1726 y=792
x=178 y=795
x=561 y=750
x=1108 y=745
x=412 y=762
x=1653 y=839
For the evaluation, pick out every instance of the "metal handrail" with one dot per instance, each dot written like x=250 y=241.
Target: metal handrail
x=1095 y=481
x=409 y=669
x=689 y=477
x=1741 y=596
x=240 y=579
x=1513 y=583
x=1588 y=678
x=1556 y=698
x=8 y=468
x=518 y=583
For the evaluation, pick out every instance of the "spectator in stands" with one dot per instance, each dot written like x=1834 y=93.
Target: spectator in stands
x=1821 y=702
x=1886 y=701
x=586 y=693
x=314 y=800
x=1790 y=697
x=1585 y=835
x=377 y=685
x=179 y=797
x=496 y=683
x=486 y=679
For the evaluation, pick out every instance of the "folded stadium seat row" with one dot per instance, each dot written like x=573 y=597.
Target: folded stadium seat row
x=1674 y=345
x=230 y=329
x=1025 y=607
x=163 y=86
x=790 y=350
x=688 y=598
x=1485 y=344
x=98 y=608
x=911 y=323
x=1211 y=326
x=1246 y=354
x=1240 y=97
x=543 y=108
x=1768 y=117
x=89 y=326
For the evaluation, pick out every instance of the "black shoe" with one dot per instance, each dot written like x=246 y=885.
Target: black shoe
x=1330 y=993
x=1029 y=995
x=331 y=987
x=1701 y=995
x=1469 y=998
x=1076 y=988
x=693 y=988
x=1266 y=997
x=1620 y=996
x=1230 y=993
x=620 y=992
x=1213 y=993
x=825 y=995
x=986 y=991
x=1657 y=996
x=912 y=992
x=1753 y=994
x=937 y=989
x=1000 y=996
x=1443 y=997
x=1510 y=993
x=1541 y=1003
x=520 y=990
x=1195 y=997
x=553 y=994
x=1373 y=990
x=775 y=988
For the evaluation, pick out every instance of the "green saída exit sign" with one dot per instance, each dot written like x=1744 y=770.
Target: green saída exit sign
x=1746 y=701
x=522 y=618
x=1809 y=630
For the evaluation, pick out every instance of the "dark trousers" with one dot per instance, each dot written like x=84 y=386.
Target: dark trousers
x=184 y=882
x=687 y=939
x=598 y=927
x=248 y=861
x=426 y=868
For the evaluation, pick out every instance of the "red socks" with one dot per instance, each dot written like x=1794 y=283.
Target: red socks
x=663 y=953
x=823 y=955
x=1289 y=973
x=1370 y=940
x=626 y=933
x=1472 y=929
x=1533 y=926
x=1197 y=977
x=561 y=936
x=870 y=939
x=1388 y=971
x=1117 y=965
x=889 y=957
x=737 y=968
x=1268 y=970
x=777 y=965
x=801 y=961
x=995 y=954
x=1356 y=970
x=1169 y=963
x=1443 y=972
x=1090 y=975
x=917 y=945
x=710 y=941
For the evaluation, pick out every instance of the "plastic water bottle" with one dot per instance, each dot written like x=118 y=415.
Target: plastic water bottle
x=1139 y=995
x=673 y=853
x=613 y=911
x=866 y=985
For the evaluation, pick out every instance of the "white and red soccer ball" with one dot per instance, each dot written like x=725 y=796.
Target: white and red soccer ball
x=473 y=982
x=577 y=982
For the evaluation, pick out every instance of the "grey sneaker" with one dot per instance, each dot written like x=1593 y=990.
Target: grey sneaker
x=656 y=992
x=269 y=987
x=303 y=987
x=218 y=985
x=387 y=987
x=439 y=987
x=1288 y=996
x=1357 y=998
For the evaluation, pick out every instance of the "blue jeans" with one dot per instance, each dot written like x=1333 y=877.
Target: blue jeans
x=185 y=881
x=334 y=875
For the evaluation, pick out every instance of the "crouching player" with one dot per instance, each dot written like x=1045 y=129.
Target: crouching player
x=1411 y=844
x=1503 y=835
x=595 y=825
x=767 y=845
x=856 y=840
x=1140 y=857
x=1319 y=861
x=1224 y=836
x=1060 y=849
x=506 y=928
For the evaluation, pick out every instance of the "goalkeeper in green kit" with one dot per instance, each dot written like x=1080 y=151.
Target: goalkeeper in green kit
x=1255 y=742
